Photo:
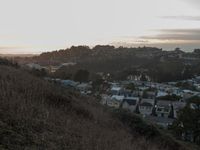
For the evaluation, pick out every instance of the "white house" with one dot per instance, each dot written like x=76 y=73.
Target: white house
x=146 y=106
x=118 y=97
x=115 y=90
x=161 y=93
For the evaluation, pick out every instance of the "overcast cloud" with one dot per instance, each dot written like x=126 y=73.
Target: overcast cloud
x=33 y=26
x=187 y=35
x=190 y=18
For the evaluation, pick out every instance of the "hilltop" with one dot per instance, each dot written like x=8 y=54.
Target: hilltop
x=121 y=62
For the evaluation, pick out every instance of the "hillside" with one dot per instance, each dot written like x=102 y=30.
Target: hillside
x=35 y=114
x=159 y=65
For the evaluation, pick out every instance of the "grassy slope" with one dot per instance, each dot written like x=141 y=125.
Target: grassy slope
x=35 y=114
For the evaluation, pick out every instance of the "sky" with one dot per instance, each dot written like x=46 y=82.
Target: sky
x=35 y=26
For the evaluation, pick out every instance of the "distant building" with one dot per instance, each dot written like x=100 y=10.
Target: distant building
x=118 y=97
x=53 y=69
x=130 y=104
x=146 y=106
x=116 y=90
x=163 y=108
x=111 y=101
x=69 y=83
x=177 y=106
x=34 y=66
x=161 y=93
x=67 y=64
x=84 y=88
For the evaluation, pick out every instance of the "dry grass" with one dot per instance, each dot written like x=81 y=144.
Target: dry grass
x=35 y=114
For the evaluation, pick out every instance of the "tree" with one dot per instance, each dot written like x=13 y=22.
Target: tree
x=177 y=49
x=187 y=126
x=143 y=78
x=130 y=86
x=38 y=73
x=81 y=76
x=62 y=74
x=172 y=97
x=96 y=84
x=197 y=51
x=195 y=100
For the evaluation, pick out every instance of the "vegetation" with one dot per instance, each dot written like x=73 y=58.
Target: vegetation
x=81 y=76
x=4 y=61
x=154 y=63
x=36 y=114
x=195 y=100
x=172 y=97
x=130 y=86
x=151 y=133
x=185 y=85
x=38 y=73
x=187 y=126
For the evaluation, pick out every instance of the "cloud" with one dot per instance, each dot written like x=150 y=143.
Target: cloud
x=186 y=35
x=168 y=39
x=195 y=3
x=189 y=18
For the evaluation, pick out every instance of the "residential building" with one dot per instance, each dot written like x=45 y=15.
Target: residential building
x=177 y=106
x=130 y=103
x=163 y=108
x=146 y=106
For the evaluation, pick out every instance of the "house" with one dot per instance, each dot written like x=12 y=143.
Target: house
x=67 y=64
x=113 y=103
x=130 y=103
x=69 y=83
x=197 y=86
x=176 y=91
x=53 y=69
x=142 y=88
x=188 y=94
x=146 y=106
x=115 y=90
x=118 y=97
x=129 y=93
x=109 y=101
x=149 y=94
x=161 y=93
x=84 y=88
x=177 y=106
x=163 y=108
x=34 y=66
